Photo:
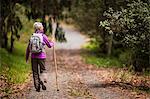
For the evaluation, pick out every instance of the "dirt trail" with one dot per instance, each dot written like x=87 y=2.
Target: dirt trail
x=76 y=79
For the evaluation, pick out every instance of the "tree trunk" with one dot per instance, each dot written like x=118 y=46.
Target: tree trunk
x=4 y=40
x=110 y=45
x=12 y=41
x=149 y=49
x=1 y=34
x=43 y=18
x=44 y=24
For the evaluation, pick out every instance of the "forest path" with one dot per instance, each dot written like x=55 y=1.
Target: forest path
x=76 y=79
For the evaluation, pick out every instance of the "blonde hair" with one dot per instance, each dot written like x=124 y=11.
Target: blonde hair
x=37 y=25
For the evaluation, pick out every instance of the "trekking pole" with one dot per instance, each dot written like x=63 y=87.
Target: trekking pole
x=54 y=25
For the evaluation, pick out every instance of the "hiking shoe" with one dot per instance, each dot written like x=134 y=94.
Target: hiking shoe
x=43 y=87
x=38 y=89
x=45 y=81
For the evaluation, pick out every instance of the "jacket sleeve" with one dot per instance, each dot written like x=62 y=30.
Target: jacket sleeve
x=47 y=42
x=27 y=52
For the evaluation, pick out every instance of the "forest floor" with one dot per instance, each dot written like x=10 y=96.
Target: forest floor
x=78 y=80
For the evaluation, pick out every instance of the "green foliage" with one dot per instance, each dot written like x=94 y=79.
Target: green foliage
x=92 y=45
x=10 y=23
x=14 y=65
x=125 y=57
x=88 y=13
x=27 y=28
x=93 y=57
x=85 y=14
x=103 y=61
x=131 y=27
x=12 y=9
x=48 y=9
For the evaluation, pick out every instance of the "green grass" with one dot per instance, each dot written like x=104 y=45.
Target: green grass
x=102 y=61
x=93 y=57
x=14 y=65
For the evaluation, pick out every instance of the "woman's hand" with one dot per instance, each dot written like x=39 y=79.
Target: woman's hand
x=53 y=39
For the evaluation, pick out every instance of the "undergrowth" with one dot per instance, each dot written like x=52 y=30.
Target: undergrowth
x=13 y=65
x=94 y=57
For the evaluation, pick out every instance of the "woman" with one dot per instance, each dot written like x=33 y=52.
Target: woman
x=38 y=59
